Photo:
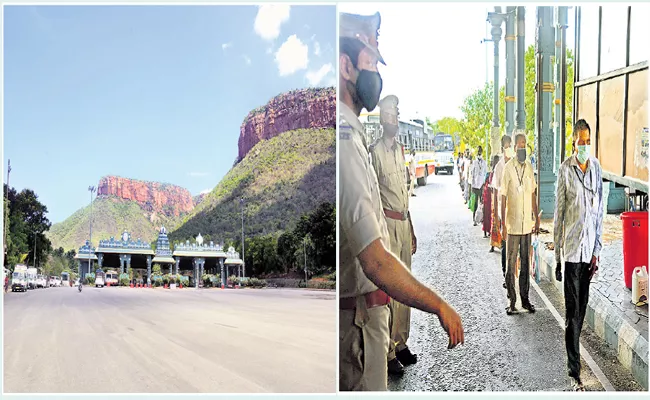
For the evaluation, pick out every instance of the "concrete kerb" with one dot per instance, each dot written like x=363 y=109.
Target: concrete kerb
x=632 y=348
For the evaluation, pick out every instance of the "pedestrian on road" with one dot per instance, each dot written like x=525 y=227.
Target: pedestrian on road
x=479 y=170
x=412 y=166
x=519 y=205
x=487 y=202
x=507 y=153
x=366 y=263
x=467 y=174
x=577 y=231
x=459 y=167
x=387 y=159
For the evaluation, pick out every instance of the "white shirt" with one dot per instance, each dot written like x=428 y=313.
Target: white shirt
x=479 y=169
x=518 y=185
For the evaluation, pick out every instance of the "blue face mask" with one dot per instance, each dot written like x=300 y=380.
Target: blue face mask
x=583 y=153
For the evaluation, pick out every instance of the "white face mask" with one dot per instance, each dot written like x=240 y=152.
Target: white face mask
x=509 y=152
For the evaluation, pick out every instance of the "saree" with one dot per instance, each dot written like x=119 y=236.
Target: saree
x=487 y=204
x=495 y=232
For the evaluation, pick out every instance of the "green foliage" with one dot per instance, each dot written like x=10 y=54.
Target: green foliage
x=478 y=109
x=124 y=279
x=184 y=280
x=157 y=269
x=129 y=272
x=90 y=278
x=27 y=223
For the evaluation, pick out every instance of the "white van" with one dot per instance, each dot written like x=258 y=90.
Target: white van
x=65 y=279
x=100 y=280
x=19 y=279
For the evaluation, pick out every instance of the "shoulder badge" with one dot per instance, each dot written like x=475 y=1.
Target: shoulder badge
x=345 y=130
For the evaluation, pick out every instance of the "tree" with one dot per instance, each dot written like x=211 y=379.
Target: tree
x=477 y=118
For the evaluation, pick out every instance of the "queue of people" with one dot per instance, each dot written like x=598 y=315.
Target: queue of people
x=376 y=236
x=510 y=217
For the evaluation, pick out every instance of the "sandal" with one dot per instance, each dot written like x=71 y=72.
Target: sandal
x=511 y=310
x=577 y=385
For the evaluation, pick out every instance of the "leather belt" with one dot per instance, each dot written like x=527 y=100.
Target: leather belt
x=373 y=299
x=395 y=215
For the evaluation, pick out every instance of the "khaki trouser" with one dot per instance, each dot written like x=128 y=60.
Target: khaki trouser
x=518 y=245
x=363 y=344
x=400 y=321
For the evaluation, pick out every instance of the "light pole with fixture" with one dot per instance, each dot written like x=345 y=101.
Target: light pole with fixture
x=91 y=189
x=243 y=259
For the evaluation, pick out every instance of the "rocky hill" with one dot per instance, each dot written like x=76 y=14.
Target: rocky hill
x=155 y=197
x=280 y=180
x=298 y=109
x=111 y=215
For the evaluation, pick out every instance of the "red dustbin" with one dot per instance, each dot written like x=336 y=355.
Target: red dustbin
x=635 y=243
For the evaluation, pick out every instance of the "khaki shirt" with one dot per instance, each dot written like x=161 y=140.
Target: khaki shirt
x=361 y=217
x=389 y=163
x=518 y=185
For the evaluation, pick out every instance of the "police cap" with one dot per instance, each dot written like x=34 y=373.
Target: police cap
x=364 y=28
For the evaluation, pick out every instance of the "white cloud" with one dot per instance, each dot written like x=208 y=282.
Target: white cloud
x=247 y=59
x=316 y=49
x=315 y=77
x=292 y=56
x=225 y=46
x=206 y=191
x=197 y=174
x=269 y=19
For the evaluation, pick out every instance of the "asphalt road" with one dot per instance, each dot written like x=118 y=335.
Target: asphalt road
x=523 y=352
x=122 y=340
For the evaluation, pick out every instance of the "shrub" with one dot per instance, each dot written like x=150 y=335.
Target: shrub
x=157 y=280
x=329 y=285
x=90 y=278
x=124 y=279
x=165 y=279
x=173 y=278
x=256 y=283
x=206 y=280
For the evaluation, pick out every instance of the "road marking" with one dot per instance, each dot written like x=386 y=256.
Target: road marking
x=583 y=352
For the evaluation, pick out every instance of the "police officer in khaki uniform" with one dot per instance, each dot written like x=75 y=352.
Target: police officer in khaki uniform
x=368 y=272
x=387 y=156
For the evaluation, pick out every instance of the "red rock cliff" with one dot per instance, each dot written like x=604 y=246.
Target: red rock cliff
x=299 y=109
x=152 y=196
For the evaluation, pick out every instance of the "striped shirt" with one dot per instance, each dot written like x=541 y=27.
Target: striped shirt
x=578 y=221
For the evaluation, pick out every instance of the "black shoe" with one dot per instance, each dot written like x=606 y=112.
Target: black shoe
x=504 y=285
x=395 y=367
x=526 y=305
x=475 y=224
x=511 y=310
x=406 y=357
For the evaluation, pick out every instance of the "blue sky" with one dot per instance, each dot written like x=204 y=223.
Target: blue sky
x=146 y=92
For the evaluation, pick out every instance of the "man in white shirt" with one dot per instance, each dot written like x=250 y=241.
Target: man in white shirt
x=506 y=154
x=519 y=206
x=479 y=170
x=467 y=163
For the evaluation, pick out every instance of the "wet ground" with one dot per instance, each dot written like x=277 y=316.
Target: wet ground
x=122 y=340
x=523 y=352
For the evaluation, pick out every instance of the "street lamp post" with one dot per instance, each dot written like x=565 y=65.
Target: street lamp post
x=304 y=250
x=5 y=227
x=243 y=259
x=91 y=189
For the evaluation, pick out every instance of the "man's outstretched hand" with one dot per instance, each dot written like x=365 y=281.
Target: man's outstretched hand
x=452 y=324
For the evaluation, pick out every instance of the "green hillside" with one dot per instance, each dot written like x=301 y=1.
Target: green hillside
x=111 y=215
x=280 y=179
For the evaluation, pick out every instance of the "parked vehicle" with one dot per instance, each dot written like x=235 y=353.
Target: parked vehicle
x=55 y=281
x=112 y=277
x=31 y=278
x=40 y=281
x=65 y=279
x=100 y=278
x=19 y=279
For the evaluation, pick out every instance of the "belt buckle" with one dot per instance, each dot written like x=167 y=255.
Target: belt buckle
x=404 y=216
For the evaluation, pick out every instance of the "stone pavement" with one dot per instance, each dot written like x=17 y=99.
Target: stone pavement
x=610 y=311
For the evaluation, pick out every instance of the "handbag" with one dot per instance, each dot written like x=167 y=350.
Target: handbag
x=535 y=270
x=472 y=202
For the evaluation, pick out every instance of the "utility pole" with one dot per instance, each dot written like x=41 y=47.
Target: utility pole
x=91 y=189
x=243 y=259
x=520 y=77
x=6 y=225
x=510 y=70
x=304 y=250
x=496 y=18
